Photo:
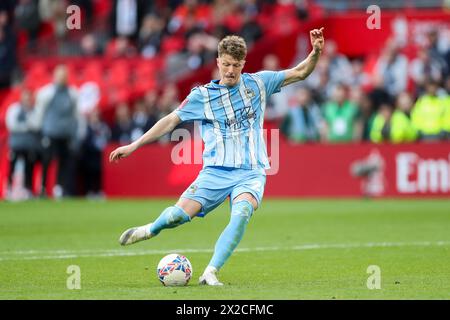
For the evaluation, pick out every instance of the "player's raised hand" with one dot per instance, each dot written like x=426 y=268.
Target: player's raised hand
x=317 y=40
x=121 y=152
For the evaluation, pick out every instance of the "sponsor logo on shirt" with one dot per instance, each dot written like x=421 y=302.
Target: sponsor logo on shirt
x=192 y=189
x=241 y=120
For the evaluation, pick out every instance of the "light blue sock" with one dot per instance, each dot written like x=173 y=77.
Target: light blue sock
x=232 y=235
x=171 y=217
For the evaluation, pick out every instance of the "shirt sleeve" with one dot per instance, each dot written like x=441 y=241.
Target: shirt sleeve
x=191 y=109
x=272 y=80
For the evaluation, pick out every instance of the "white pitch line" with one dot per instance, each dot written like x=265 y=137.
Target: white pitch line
x=73 y=254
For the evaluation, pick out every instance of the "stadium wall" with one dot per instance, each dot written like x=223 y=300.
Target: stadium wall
x=351 y=170
x=408 y=26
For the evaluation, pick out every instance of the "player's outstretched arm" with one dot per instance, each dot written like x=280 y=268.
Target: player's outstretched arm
x=163 y=126
x=304 y=68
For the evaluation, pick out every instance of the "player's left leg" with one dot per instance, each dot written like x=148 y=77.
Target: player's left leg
x=207 y=192
x=242 y=209
x=183 y=211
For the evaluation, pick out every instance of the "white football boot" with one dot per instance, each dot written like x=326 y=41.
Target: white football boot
x=209 y=277
x=135 y=234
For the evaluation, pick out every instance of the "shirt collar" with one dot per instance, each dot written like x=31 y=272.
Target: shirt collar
x=215 y=84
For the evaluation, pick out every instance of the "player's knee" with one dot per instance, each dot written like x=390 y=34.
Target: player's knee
x=243 y=208
x=176 y=216
x=248 y=197
x=189 y=206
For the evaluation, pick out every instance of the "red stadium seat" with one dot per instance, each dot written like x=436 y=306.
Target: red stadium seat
x=93 y=71
x=35 y=84
x=38 y=69
x=119 y=74
x=172 y=45
x=141 y=87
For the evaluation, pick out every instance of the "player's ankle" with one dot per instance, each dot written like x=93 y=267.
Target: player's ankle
x=148 y=233
x=211 y=269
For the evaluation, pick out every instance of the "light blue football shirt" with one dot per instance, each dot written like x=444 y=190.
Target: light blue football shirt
x=231 y=119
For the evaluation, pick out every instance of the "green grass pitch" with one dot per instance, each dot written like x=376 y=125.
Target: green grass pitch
x=293 y=249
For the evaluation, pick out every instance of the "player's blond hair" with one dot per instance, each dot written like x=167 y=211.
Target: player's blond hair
x=234 y=46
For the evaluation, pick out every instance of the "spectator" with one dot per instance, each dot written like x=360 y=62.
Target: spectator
x=435 y=51
x=424 y=68
x=250 y=30
x=357 y=77
x=277 y=105
x=220 y=31
x=303 y=122
x=224 y=13
x=47 y=9
x=90 y=46
x=58 y=119
x=392 y=66
x=58 y=16
x=357 y=98
x=341 y=116
x=378 y=95
x=402 y=127
x=126 y=16
x=150 y=35
x=168 y=100
x=339 y=67
x=7 y=51
x=89 y=96
x=447 y=85
x=27 y=18
x=446 y=118
x=150 y=102
x=251 y=7
x=319 y=81
x=200 y=49
x=367 y=116
x=142 y=121
x=123 y=126
x=428 y=112
x=380 y=130
x=120 y=47
x=394 y=127
x=166 y=104
x=190 y=15
x=23 y=141
x=97 y=137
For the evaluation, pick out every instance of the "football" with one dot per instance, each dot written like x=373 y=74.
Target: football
x=174 y=270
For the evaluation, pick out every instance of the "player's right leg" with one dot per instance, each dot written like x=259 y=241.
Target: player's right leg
x=243 y=207
x=183 y=211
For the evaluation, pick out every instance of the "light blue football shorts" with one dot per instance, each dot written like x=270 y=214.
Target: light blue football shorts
x=214 y=184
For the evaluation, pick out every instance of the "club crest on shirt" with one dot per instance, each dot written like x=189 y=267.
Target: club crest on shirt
x=249 y=93
x=192 y=189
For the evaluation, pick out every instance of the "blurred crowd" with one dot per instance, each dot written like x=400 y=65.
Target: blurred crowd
x=402 y=99
x=50 y=125
x=186 y=31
